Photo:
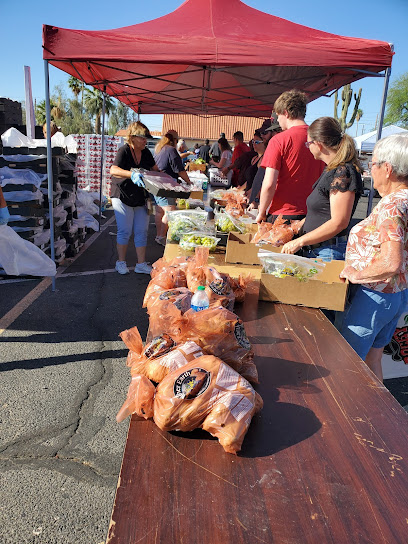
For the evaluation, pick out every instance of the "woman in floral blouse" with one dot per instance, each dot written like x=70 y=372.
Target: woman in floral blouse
x=377 y=257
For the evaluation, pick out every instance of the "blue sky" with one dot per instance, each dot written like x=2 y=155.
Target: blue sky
x=371 y=19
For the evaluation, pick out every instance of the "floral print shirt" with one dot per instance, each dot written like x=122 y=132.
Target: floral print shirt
x=387 y=222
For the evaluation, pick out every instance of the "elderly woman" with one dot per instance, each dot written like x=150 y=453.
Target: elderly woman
x=129 y=199
x=376 y=258
x=169 y=161
x=334 y=198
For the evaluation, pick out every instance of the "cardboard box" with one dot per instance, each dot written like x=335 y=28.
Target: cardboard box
x=240 y=250
x=198 y=195
x=326 y=291
x=191 y=167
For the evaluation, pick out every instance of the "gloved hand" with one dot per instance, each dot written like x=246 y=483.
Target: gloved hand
x=137 y=179
x=4 y=216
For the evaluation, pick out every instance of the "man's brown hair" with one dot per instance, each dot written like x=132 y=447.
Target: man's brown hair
x=294 y=102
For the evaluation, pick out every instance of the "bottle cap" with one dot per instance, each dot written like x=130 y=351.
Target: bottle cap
x=201 y=288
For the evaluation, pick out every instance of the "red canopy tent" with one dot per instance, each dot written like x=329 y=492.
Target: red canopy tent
x=217 y=57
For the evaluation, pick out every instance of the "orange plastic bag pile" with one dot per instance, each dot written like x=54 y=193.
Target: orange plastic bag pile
x=205 y=393
x=201 y=360
x=236 y=203
x=276 y=234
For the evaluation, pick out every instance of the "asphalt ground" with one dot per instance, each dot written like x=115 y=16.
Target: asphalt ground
x=63 y=379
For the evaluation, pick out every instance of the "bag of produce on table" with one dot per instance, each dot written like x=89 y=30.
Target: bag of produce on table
x=276 y=234
x=204 y=393
x=189 y=204
x=218 y=289
x=217 y=331
x=190 y=240
x=209 y=394
x=179 y=296
x=181 y=221
x=139 y=399
x=282 y=265
x=226 y=222
x=159 y=357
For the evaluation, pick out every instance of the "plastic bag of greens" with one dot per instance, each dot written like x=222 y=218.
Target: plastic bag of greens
x=282 y=264
x=191 y=240
x=181 y=221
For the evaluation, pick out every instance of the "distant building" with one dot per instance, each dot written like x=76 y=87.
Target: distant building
x=195 y=128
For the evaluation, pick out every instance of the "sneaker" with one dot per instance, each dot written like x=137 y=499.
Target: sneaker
x=121 y=267
x=143 y=268
x=160 y=240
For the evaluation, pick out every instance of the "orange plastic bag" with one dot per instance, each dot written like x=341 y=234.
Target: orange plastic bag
x=179 y=296
x=218 y=289
x=139 y=399
x=221 y=333
x=207 y=393
x=196 y=267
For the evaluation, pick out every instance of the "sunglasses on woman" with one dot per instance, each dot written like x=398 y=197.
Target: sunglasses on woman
x=257 y=141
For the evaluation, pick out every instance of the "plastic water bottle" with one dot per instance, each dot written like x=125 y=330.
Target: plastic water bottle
x=205 y=185
x=200 y=299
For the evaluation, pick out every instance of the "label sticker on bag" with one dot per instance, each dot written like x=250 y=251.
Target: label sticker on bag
x=219 y=287
x=192 y=383
x=241 y=336
x=227 y=377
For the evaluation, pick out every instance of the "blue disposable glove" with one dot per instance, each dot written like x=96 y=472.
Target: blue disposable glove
x=137 y=179
x=4 y=216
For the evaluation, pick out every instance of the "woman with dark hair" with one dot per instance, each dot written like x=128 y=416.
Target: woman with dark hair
x=131 y=211
x=169 y=161
x=335 y=195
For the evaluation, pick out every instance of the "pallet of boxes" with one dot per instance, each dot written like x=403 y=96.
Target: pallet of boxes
x=24 y=181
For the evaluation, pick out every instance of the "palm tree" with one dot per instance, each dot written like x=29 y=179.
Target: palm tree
x=75 y=85
x=94 y=102
x=40 y=112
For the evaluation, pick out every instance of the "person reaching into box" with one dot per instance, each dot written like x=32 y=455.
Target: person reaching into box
x=331 y=204
x=129 y=199
x=377 y=258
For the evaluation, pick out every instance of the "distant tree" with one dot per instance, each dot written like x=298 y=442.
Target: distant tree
x=120 y=117
x=346 y=96
x=397 y=103
x=40 y=112
x=75 y=85
x=93 y=101
x=76 y=121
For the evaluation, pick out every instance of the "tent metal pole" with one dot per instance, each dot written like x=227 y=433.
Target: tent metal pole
x=49 y=163
x=102 y=155
x=379 y=130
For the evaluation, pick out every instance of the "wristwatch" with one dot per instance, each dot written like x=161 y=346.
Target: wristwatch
x=256 y=200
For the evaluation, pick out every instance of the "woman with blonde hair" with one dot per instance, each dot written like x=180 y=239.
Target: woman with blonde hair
x=129 y=199
x=169 y=161
x=334 y=197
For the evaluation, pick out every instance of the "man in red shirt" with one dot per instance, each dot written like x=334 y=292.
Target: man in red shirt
x=291 y=169
x=239 y=149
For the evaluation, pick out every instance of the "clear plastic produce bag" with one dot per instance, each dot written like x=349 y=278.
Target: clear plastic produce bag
x=190 y=240
x=181 y=221
x=20 y=257
x=282 y=264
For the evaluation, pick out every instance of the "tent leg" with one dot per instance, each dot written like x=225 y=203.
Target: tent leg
x=102 y=155
x=379 y=130
x=49 y=164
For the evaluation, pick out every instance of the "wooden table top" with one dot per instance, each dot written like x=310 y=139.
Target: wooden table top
x=324 y=462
